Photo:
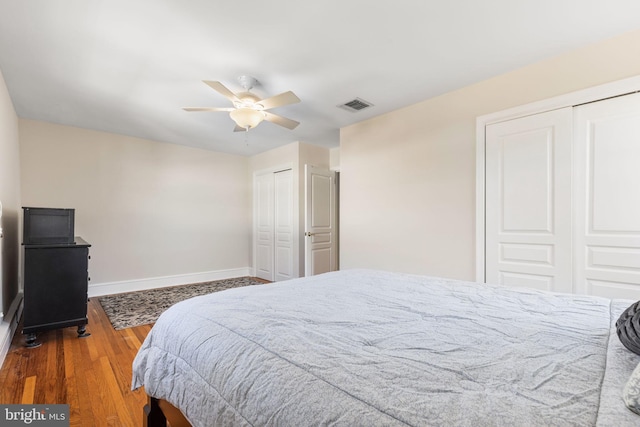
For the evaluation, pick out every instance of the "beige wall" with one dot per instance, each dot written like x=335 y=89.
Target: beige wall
x=287 y=155
x=10 y=198
x=149 y=209
x=334 y=158
x=408 y=177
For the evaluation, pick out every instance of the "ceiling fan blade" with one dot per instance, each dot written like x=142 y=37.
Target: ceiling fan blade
x=285 y=98
x=207 y=109
x=279 y=120
x=222 y=90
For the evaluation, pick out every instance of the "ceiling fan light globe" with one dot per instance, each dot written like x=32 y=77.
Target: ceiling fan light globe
x=247 y=118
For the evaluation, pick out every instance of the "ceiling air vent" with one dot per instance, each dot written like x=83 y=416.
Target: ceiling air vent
x=355 y=105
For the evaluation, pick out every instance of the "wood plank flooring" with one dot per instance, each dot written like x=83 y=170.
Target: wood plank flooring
x=92 y=374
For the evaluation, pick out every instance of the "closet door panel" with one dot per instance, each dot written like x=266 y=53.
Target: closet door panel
x=283 y=225
x=528 y=201
x=607 y=197
x=264 y=199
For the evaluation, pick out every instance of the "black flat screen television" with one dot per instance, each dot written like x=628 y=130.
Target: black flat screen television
x=48 y=226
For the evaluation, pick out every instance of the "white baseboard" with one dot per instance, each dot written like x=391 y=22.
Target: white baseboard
x=163 y=282
x=9 y=325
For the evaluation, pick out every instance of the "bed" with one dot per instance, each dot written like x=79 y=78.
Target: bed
x=363 y=347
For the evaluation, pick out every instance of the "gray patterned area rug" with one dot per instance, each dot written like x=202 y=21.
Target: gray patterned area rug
x=144 y=307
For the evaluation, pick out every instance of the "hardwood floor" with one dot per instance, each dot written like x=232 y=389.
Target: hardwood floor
x=92 y=374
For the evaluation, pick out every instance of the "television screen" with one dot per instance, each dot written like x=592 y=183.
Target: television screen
x=48 y=226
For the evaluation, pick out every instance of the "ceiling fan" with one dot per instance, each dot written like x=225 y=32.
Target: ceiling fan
x=249 y=110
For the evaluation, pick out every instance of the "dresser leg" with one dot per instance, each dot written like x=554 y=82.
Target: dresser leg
x=30 y=341
x=82 y=331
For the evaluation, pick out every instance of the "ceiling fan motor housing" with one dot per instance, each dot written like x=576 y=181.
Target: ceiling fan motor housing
x=248 y=100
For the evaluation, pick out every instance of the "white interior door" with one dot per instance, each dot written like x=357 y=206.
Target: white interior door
x=264 y=220
x=607 y=214
x=528 y=202
x=320 y=221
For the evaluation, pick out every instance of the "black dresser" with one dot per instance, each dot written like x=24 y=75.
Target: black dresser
x=56 y=280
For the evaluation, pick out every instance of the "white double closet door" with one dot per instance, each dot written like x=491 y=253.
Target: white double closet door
x=562 y=208
x=275 y=249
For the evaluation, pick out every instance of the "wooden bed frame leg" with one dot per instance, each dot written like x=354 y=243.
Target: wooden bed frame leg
x=153 y=416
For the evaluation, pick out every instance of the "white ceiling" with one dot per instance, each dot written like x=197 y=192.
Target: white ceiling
x=129 y=66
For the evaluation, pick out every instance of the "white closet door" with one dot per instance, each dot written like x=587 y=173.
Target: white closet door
x=264 y=211
x=275 y=225
x=528 y=202
x=283 y=225
x=607 y=204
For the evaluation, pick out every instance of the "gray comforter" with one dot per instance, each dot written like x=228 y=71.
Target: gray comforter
x=368 y=348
